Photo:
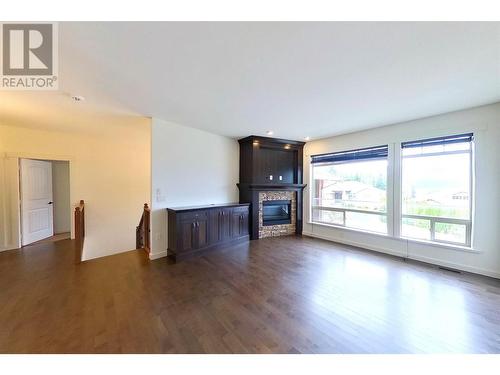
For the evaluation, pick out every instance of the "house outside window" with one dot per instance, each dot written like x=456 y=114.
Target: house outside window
x=437 y=189
x=350 y=189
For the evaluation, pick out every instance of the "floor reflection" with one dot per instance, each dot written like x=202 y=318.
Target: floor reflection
x=375 y=298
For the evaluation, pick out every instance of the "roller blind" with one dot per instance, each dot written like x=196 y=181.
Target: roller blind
x=461 y=138
x=379 y=152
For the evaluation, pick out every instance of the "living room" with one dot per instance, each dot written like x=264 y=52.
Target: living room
x=250 y=188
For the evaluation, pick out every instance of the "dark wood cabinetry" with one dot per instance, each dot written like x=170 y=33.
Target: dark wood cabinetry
x=220 y=226
x=270 y=164
x=239 y=222
x=192 y=230
x=266 y=160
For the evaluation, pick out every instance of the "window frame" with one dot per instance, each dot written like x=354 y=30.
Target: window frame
x=389 y=192
x=468 y=223
x=394 y=203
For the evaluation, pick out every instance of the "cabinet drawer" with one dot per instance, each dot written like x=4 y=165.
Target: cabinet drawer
x=240 y=210
x=193 y=216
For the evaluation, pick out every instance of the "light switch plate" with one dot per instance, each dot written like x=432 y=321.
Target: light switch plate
x=159 y=196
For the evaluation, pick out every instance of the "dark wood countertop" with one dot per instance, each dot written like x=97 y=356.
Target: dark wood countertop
x=207 y=206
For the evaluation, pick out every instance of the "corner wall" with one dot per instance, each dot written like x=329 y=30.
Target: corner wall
x=189 y=167
x=485 y=123
x=109 y=169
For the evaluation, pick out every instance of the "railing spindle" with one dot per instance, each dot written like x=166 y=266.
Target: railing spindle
x=80 y=228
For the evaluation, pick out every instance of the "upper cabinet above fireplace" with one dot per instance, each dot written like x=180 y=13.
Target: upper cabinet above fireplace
x=266 y=160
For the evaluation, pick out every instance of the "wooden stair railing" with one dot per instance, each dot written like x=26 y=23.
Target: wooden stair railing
x=143 y=230
x=79 y=229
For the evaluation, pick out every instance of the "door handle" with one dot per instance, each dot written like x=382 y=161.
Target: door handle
x=50 y=202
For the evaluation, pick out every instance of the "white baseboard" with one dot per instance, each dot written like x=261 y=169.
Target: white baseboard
x=439 y=262
x=355 y=243
x=8 y=248
x=421 y=258
x=159 y=255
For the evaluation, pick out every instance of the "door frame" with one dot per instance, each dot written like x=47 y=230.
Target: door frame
x=14 y=202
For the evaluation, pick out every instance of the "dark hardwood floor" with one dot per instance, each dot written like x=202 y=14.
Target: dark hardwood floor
x=281 y=295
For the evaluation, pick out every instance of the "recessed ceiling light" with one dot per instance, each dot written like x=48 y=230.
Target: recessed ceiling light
x=77 y=98
x=307 y=138
x=269 y=132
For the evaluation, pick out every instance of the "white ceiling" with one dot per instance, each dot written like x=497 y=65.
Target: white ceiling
x=297 y=79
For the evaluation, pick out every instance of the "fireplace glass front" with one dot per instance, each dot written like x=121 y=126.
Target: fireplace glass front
x=276 y=212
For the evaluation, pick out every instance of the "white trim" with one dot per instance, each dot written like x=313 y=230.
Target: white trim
x=389 y=201
x=36 y=156
x=161 y=254
x=341 y=209
x=468 y=223
x=396 y=189
x=457 y=266
x=402 y=239
x=357 y=244
x=334 y=226
x=442 y=245
x=6 y=248
x=420 y=258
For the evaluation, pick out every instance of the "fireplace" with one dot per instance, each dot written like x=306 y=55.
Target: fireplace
x=276 y=212
x=271 y=181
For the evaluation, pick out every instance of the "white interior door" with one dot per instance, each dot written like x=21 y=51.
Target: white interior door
x=37 y=209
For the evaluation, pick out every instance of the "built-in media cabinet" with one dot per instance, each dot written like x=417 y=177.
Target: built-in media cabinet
x=271 y=181
x=196 y=229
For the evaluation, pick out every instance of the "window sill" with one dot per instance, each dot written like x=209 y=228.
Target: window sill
x=439 y=244
x=404 y=239
x=350 y=229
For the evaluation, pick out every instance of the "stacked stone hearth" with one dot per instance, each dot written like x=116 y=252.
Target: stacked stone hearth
x=279 y=229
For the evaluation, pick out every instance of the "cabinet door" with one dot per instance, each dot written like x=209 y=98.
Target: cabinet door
x=188 y=234
x=219 y=225
x=225 y=224
x=214 y=225
x=201 y=236
x=194 y=230
x=239 y=222
x=245 y=229
x=235 y=224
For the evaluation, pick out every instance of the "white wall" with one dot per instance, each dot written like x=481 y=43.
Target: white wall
x=61 y=197
x=485 y=123
x=189 y=167
x=4 y=240
x=109 y=169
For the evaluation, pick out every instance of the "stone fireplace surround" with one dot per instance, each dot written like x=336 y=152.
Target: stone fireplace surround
x=279 y=229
